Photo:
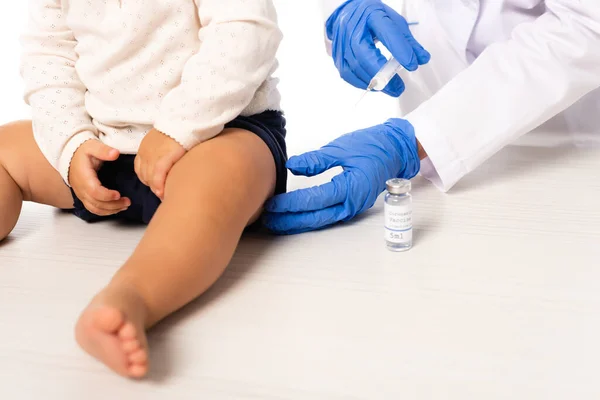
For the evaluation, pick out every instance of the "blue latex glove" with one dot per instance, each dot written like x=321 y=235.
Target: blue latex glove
x=369 y=157
x=353 y=29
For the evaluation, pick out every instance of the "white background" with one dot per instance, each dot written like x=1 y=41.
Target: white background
x=319 y=106
x=11 y=89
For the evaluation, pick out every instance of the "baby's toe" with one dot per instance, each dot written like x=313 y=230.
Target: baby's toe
x=138 y=357
x=131 y=345
x=128 y=332
x=137 y=370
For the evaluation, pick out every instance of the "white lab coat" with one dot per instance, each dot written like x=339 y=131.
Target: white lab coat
x=499 y=69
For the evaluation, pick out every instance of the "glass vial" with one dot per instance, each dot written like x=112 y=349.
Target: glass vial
x=398 y=215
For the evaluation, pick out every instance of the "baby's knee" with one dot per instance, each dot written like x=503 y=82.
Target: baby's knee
x=237 y=165
x=16 y=144
x=237 y=156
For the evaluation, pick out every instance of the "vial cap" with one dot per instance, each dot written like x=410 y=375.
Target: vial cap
x=398 y=186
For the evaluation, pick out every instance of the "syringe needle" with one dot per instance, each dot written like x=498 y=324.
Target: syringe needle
x=369 y=88
x=361 y=98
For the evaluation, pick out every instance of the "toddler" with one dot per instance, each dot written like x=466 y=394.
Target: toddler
x=158 y=111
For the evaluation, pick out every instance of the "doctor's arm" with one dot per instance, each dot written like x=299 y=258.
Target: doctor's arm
x=512 y=88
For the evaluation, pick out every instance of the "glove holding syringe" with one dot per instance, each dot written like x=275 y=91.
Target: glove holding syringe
x=356 y=27
x=382 y=78
x=385 y=75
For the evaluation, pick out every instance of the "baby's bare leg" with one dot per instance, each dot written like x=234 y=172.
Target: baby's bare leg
x=210 y=196
x=26 y=175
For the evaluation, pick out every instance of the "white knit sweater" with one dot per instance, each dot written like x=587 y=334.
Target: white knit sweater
x=111 y=70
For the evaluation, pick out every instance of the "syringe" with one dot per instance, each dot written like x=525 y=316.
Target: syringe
x=385 y=75
x=382 y=78
x=387 y=72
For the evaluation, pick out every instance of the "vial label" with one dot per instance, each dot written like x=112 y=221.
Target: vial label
x=398 y=224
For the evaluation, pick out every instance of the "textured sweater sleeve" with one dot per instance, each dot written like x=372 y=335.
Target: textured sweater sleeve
x=52 y=86
x=239 y=41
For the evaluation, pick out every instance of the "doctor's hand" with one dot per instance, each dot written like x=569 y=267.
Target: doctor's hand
x=369 y=157
x=353 y=29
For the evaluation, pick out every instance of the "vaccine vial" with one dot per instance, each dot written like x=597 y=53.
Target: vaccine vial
x=398 y=215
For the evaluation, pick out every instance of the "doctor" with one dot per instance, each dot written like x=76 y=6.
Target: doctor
x=498 y=69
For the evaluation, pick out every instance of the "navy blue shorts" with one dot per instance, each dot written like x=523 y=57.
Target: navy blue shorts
x=120 y=175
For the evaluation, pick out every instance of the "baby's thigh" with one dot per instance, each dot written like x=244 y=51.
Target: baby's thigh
x=234 y=171
x=21 y=157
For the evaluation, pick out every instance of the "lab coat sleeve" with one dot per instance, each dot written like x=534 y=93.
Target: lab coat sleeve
x=239 y=42
x=52 y=87
x=512 y=88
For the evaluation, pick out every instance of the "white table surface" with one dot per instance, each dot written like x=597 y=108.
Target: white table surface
x=499 y=298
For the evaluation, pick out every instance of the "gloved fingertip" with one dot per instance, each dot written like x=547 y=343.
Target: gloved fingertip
x=395 y=88
x=412 y=65
x=297 y=165
x=423 y=57
x=271 y=223
x=268 y=206
x=267 y=219
x=393 y=92
x=271 y=205
x=307 y=164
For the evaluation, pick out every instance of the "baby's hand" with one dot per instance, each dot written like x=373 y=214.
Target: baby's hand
x=83 y=178
x=156 y=156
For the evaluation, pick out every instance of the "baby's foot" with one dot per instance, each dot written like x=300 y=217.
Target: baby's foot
x=111 y=329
